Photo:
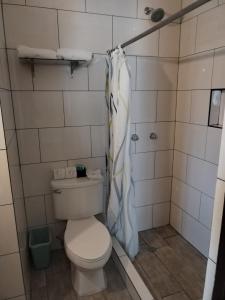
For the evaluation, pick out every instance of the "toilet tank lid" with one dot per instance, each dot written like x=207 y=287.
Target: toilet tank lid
x=74 y=183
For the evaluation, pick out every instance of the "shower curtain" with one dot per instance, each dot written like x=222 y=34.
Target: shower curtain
x=121 y=217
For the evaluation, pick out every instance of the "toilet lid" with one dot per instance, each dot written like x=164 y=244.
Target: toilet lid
x=88 y=239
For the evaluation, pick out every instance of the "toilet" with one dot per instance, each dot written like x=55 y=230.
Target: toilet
x=87 y=241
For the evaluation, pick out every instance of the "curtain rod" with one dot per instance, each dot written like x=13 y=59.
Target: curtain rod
x=163 y=23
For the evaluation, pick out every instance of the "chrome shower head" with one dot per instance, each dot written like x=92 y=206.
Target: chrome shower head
x=156 y=14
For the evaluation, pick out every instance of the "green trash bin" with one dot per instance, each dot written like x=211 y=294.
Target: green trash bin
x=40 y=247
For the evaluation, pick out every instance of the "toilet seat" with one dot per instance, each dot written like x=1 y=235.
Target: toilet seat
x=87 y=243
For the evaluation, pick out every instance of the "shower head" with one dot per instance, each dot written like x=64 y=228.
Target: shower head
x=156 y=14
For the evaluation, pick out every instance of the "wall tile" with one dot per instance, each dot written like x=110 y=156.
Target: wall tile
x=144 y=217
x=74 y=28
x=199 y=10
x=218 y=69
x=21 y=2
x=49 y=209
x=200 y=107
x=97 y=66
x=152 y=191
x=64 y=143
x=2 y=136
x=209 y=280
x=176 y=217
x=20 y=73
x=196 y=234
x=58 y=77
x=16 y=182
x=147 y=46
x=84 y=108
x=2 y=35
x=161 y=214
x=180 y=165
x=191 y=139
x=183 y=113
x=186 y=198
x=67 y=5
x=156 y=74
x=143 y=106
x=23 y=27
x=166 y=106
x=28 y=142
x=38 y=109
x=143 y=165
x=98 y=139
x=188 y=37
x=206 y=211
x=213 y=37
x=221 y=168
x=91 y=163
x=8 y=241
x=164 y=163
x=195 y=72
x=164 y=131
x=169 y=41
x=7 y=110
x=202 y=175
x=43 y=175
x=35 y=209
x=213 y=145
x=4 y=74
x=127 y=8
x=11 y=286
x=5 y=188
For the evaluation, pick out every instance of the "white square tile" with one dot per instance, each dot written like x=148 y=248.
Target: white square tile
x=49 y=208
x=78 y=5
x=74 y=28
x=2 y=35
x=180 y=165
x=152 y=191
x=143 y=108
x=127 y=28
x=28 y=142
x=195 y=72
x=58 y=230
x=211 y=4
x=186 y=198
x=38 y=109
x=97 y=66
x=7 y=110
x=156 y=74
x=2 y=136
x=16 y=182
x=169 y=41
x=144 y=217
x=58 y=77
x=183 y=113
x=221 y=168
x=43 y=175
x=165 y=134
x=4 y=74
x=202 y=175
x=164 y=163
x=11 y=286
x=143 y=166
x=200 y=107
x=217 y=220
x=209 y=280
x=161 y=214
x=206 y=210
x=166 y=106
x=65 y=143
x=84 y=108
x=127 y=8
x=20 y=73
x=22 y=2
x=213 y=37
x=23 y=27
x=8 y=233
x=196 y=234
x=218 y=69
x=176 y=217
x=90 y=163
x=35 y=210
x=5 y=187
x=188 y=36
x=213 y=145
x=98 y=140
x=133 y=143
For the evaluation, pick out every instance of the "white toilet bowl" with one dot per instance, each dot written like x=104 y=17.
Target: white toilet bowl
x=88 y=245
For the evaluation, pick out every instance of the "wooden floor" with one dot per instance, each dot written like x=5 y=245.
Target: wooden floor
x=55 y=282
x=171 y=268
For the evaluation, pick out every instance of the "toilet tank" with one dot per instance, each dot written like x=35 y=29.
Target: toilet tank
x=77 y=198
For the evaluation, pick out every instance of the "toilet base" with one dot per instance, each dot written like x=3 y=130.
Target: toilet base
x=88 y=282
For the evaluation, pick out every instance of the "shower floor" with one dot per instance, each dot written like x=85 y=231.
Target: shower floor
x=171 y=268
x=55 y=282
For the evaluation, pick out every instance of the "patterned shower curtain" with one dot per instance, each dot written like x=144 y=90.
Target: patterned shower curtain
x=121 y=217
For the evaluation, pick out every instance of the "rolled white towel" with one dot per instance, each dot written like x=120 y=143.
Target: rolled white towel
x=94 y=174
x=73 y=54
x=28 y=52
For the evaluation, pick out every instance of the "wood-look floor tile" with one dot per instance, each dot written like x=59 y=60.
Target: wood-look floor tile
x=179 y=296
x=39 y=294
x=152 y=239
x=166 y=231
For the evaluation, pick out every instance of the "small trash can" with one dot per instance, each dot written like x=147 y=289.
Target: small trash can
x=40 y=247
